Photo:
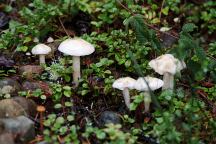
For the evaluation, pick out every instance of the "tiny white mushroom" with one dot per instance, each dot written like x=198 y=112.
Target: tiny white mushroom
x=76 y=47
x=146 y=84
x=50 y=40
x=125 y=84
x=41 y=50
x=36 y=40
x=167 y=65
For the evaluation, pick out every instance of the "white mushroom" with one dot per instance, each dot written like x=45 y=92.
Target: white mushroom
x=125 y=84
x=76 y=47
x=146 y=84
x=41 y=50
x=167 y=65
x=50 y=40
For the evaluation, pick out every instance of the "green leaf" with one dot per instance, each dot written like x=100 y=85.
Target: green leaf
x=57 y=106
x=159 y=120
x=67 y=88
x=67 y=78
x=27 y=39
x=63 y=130
x=68 y=104
x=84 y=92
x=133 y=106
x=47 y=123
x=189 y=27
x=43 y=97
x=128 y=63
x=100 y=134
x=60 y=120
x=165 y=10
x=52 y=116
x=22 y=48
x=70 y=118
x=67 y=93
x=107 y=72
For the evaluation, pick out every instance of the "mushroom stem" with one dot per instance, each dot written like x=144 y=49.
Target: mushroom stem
x=41 y=122
x=126 y=97
x=147 y=100
x=76 y=70
x=168 y=81
x=42 y=59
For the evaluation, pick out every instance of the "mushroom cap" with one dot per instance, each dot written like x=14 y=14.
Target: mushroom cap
x=154 y=83
x=41 y=108
x=76 y=47
x=125 y=82
x=41 y=49
x=167 y=63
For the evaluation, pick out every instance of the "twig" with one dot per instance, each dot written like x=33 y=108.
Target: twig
x=62 y=25
x=161 y=10
x=37 y=139
x=211 y=57
x=125 y=7
x=152 y=27
x=59 y=139
x=205 y=99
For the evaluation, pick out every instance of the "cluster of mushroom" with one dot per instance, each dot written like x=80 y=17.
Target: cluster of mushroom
x=166 y=65
x=144 y=84
x=75 y=47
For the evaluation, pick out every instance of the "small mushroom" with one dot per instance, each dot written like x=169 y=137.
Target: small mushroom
x=41 y=109
x=125 y=84
x=41 y=50
x=167 y=65
x=76 y=47
x=150 y=83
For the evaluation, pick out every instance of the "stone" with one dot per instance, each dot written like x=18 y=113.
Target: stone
x=28 y=105
x=21 y=127
x=30 y=71
x=107 y=117
x=6 y=62
x=9 y=86
x=6 y=138
x=10 y=108
x=32 y=86
x=43 y=142
x=167 y=40
x=4 y=20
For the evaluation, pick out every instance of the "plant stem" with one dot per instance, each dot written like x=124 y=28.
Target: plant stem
x=168 y=81
x=126 y=97
x=76 y=70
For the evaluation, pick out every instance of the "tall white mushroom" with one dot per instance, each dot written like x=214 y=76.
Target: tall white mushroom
x=146 y=84
x=76 y=47
x=167 y=65
x=41 y=50
x=125 y=84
